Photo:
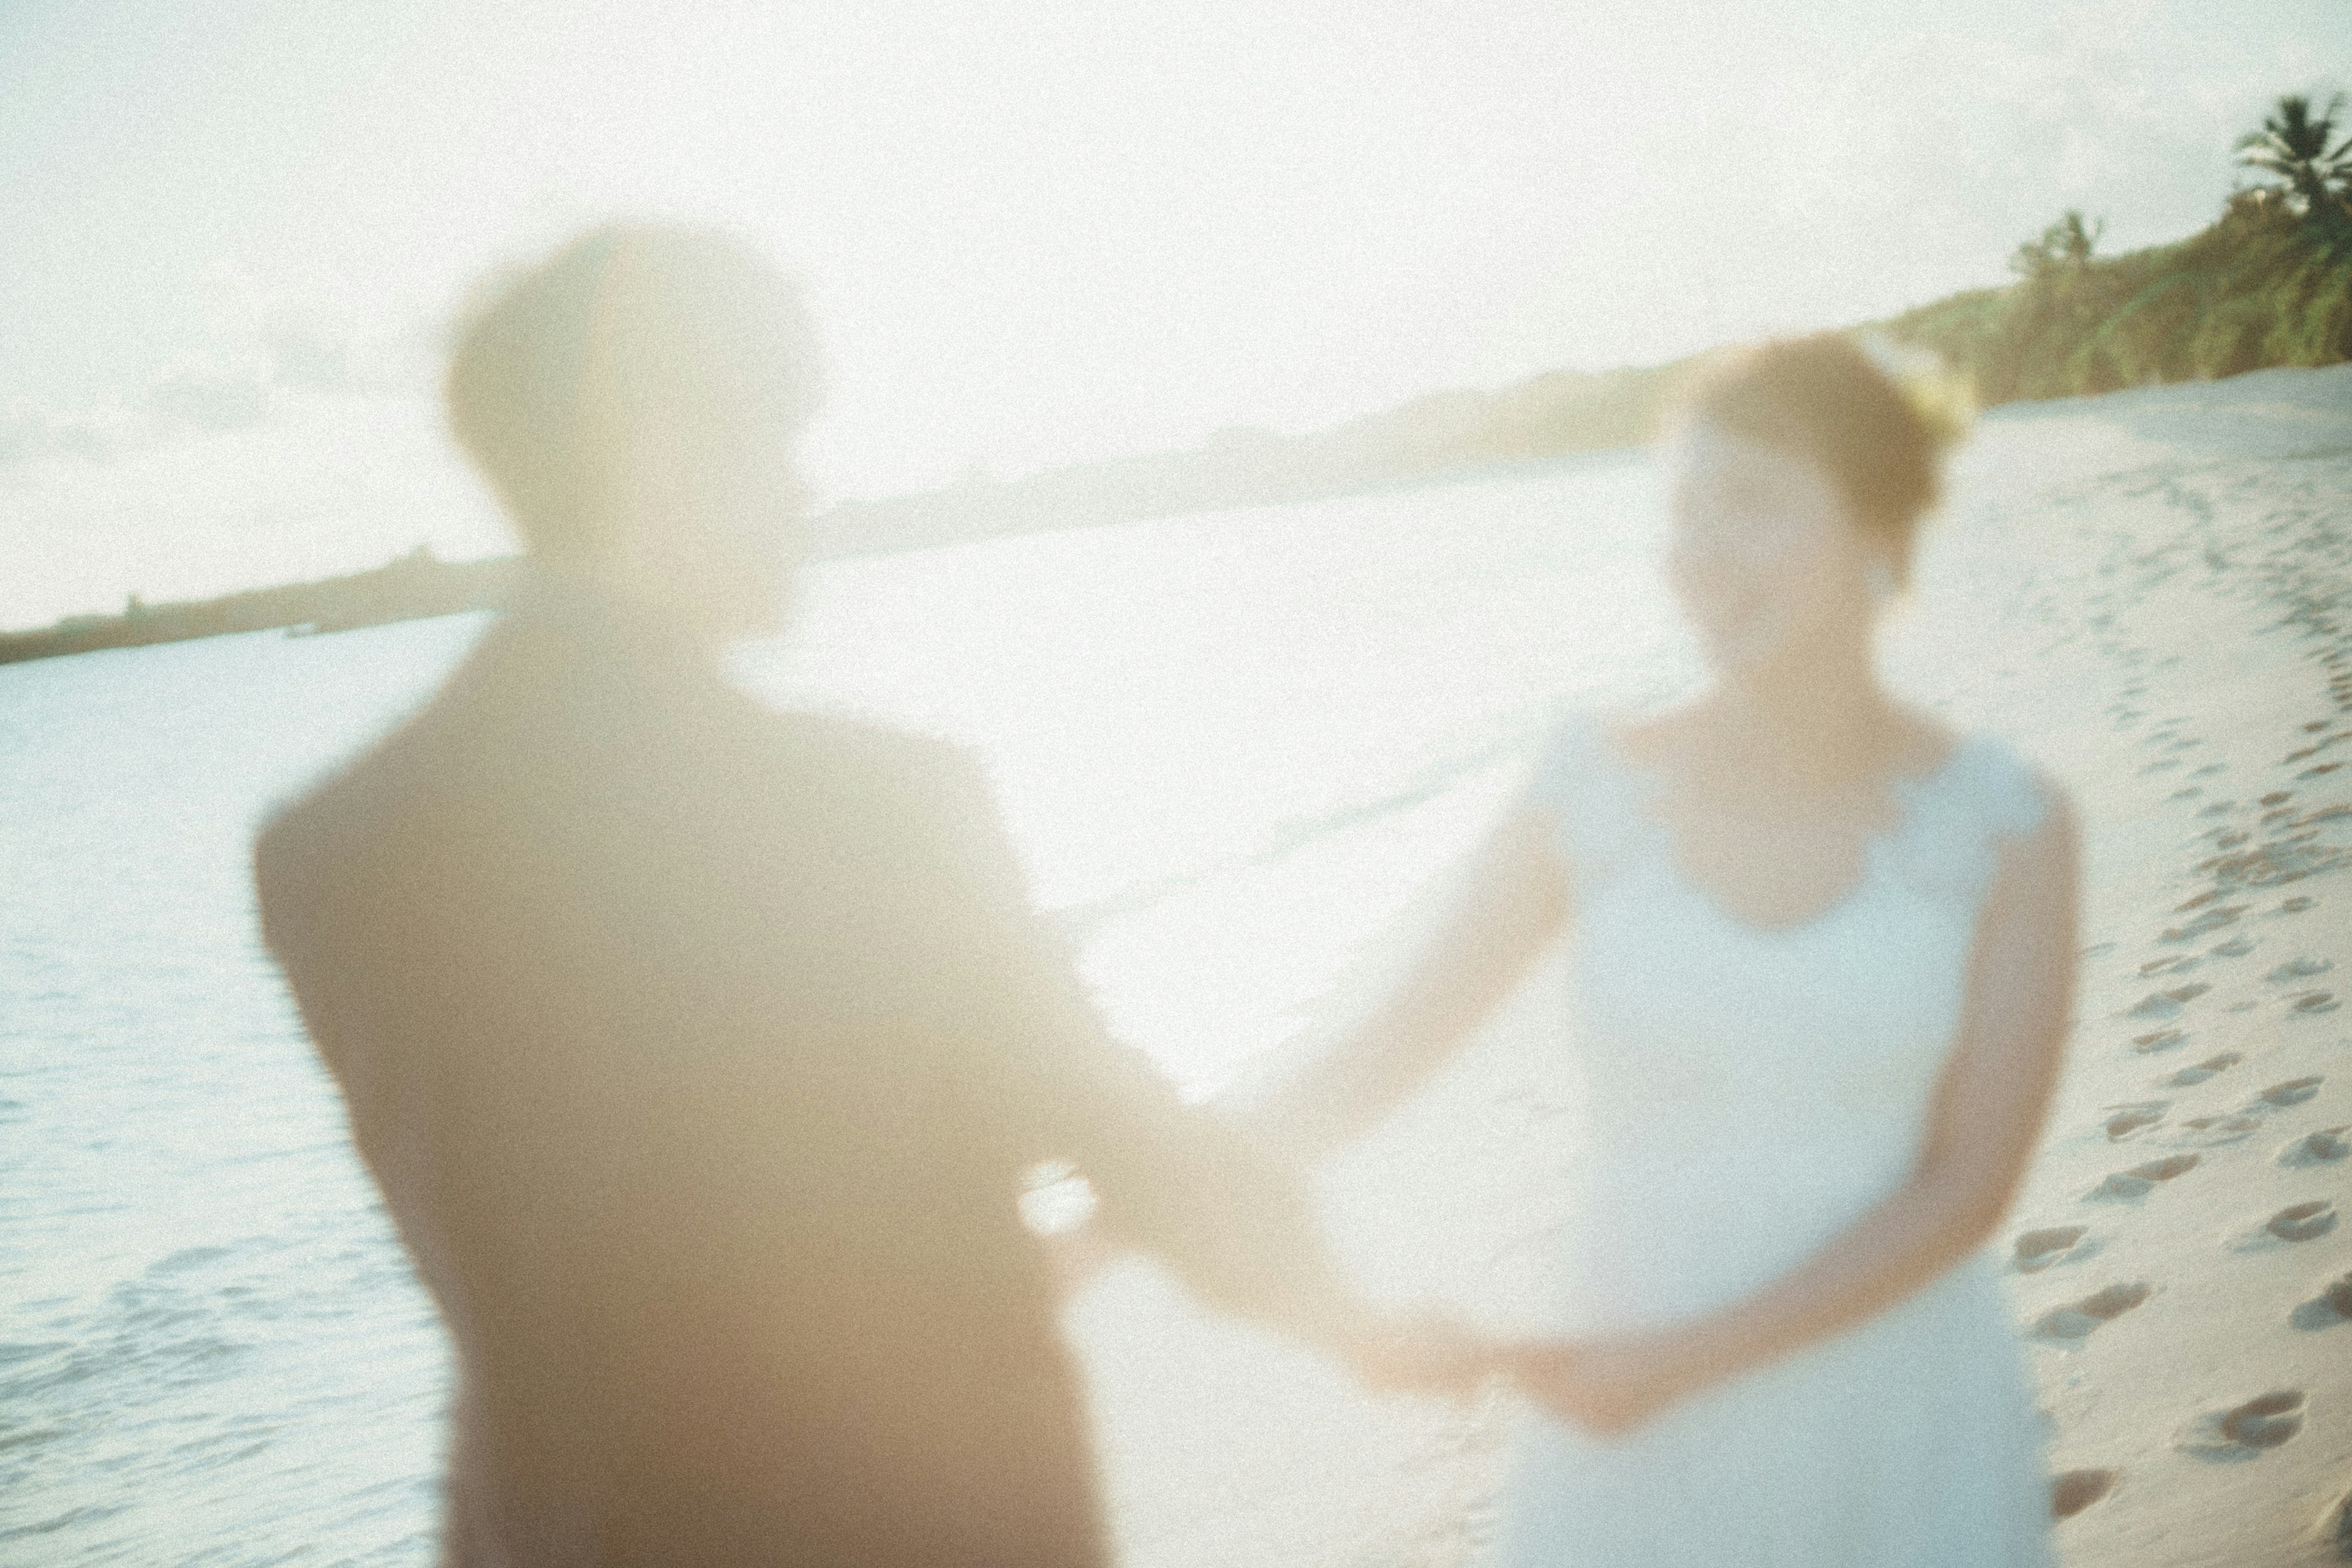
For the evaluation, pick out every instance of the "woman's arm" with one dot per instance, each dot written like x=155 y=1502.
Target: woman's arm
x=1492 y=916
x=1037 y=1069
x=1986 y=1121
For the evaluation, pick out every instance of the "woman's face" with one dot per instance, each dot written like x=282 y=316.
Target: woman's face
x=1764 y=556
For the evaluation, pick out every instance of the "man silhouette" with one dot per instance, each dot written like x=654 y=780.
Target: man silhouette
x=699 y=1050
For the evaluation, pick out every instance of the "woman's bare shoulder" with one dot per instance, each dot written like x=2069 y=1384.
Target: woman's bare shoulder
x=1923 y=742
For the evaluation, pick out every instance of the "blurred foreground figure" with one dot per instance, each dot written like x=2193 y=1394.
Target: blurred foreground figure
x=701 y=1051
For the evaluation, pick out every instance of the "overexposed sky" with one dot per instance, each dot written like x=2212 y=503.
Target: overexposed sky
x=1033 y=230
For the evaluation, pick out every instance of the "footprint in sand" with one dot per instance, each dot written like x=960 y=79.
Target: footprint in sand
x=2123 y=1121
x=2211 y=1130
x=2179 y=960
x=2266 y=1420
x=2297 y=905
x=2315 y=1001
x=2213 y=919
x=2303 y=1221
x=2159 y=1040
x=2129 y=1120
x=2294 y=1092
x=2236 y=947
x=2075 y=1490
x=2209 y=770
x=2167 y=1004
x=2140 y=1180
x=2189 y=1076
x=2245 y=1431
x=2038 y=1249
x=2323 y=1147
x=2076 y=1320
x=2295 y=969
x=2332 y=1306
x=2278 y=798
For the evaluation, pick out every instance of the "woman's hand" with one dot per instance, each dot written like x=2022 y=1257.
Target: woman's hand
x=1429 y=1354
x=1607 y=1387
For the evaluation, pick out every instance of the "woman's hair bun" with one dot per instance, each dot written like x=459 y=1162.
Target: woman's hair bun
x=1943 y=401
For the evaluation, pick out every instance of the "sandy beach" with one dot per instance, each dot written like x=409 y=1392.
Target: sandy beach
x=2151 y=593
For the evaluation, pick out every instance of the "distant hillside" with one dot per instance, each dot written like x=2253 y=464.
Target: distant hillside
x=410 y=588
x=2268 y=283
x=1563 y=412
x=1549 y=415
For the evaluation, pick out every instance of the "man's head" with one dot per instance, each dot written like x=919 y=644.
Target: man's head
x=636 y=399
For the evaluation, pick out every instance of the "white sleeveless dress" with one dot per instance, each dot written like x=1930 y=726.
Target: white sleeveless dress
x=1751 y=1093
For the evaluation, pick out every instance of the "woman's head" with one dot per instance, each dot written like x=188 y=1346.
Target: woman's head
x=1800 y=473
x=636 y=400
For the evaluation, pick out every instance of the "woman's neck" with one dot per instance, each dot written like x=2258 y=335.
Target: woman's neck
x=1820 y=725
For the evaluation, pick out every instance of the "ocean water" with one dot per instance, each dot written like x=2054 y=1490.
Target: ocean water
x=1232 y=748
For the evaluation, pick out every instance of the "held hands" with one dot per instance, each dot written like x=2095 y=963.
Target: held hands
x=1430 y=1355
x=1607 y=1387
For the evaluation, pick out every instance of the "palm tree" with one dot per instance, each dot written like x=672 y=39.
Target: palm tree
x=2292 y=144
x=2065 y=247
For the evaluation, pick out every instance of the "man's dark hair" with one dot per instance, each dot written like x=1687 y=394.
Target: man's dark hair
x=547 y=359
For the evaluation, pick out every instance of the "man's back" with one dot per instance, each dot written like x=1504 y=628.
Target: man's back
x=697 y=1052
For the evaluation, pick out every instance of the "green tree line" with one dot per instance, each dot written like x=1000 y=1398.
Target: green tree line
x=2267 y=283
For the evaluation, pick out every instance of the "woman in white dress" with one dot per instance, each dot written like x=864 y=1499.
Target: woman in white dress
x=1821 y=980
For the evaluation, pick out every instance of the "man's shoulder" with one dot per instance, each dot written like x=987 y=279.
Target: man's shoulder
x=864 y=741
x=883 y=764
x=345 y=818
x=921 y=806
x=331 y=824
